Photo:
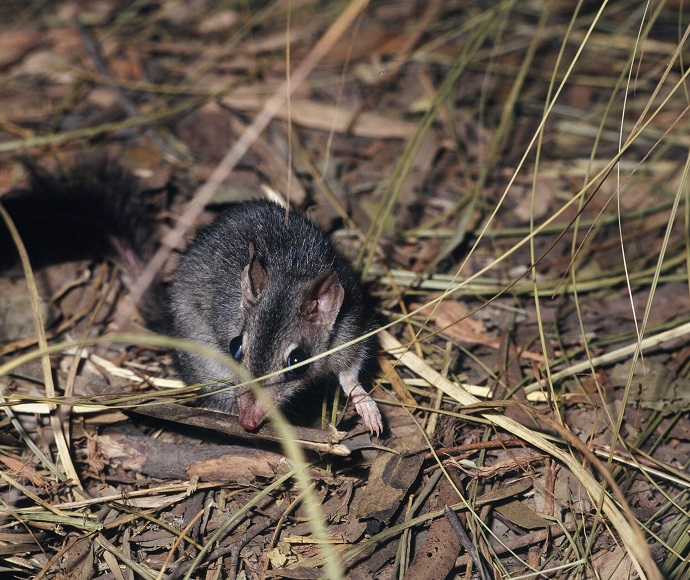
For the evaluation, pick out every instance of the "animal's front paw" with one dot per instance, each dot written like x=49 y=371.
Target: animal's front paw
x=368 y=410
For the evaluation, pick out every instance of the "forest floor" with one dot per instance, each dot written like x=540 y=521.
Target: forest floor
x=511 y=181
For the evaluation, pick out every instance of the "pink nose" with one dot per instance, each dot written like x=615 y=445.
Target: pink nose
x=249 y=423
x=252 y=413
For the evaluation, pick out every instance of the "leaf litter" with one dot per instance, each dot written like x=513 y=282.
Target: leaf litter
x=512 y=181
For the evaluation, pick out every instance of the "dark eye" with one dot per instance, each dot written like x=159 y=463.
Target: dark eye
x=296 y=357
x=236 y=347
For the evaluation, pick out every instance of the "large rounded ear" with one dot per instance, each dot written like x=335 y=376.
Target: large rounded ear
x=323 y=297
x=253 y=279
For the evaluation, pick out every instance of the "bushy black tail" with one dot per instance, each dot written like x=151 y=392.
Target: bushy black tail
x=91 y=209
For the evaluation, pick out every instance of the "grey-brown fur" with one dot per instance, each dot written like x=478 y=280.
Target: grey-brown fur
x=206 y=300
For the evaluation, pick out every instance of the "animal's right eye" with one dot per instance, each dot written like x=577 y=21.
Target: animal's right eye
x=295 y=357
x=236 y=347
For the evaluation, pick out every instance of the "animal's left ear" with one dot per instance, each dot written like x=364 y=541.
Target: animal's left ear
x=253 y=279
x=322 y=300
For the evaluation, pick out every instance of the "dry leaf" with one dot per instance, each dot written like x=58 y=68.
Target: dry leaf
x=390 y=477
x=453 y=319
x=326 y=117
x=20 y=469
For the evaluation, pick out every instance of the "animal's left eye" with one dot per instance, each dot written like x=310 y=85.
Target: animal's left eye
x=295 y=357
x=235 y=347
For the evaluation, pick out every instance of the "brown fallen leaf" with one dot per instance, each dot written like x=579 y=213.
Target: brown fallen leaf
x=453 y=319
x=390 y=478
x=19 y=468
x=521 y=515
x=16 y=43
x=436 y=555
x=327 y=117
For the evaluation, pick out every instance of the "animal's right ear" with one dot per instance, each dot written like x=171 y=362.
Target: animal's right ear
x=253 y=279
x=323 y=297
